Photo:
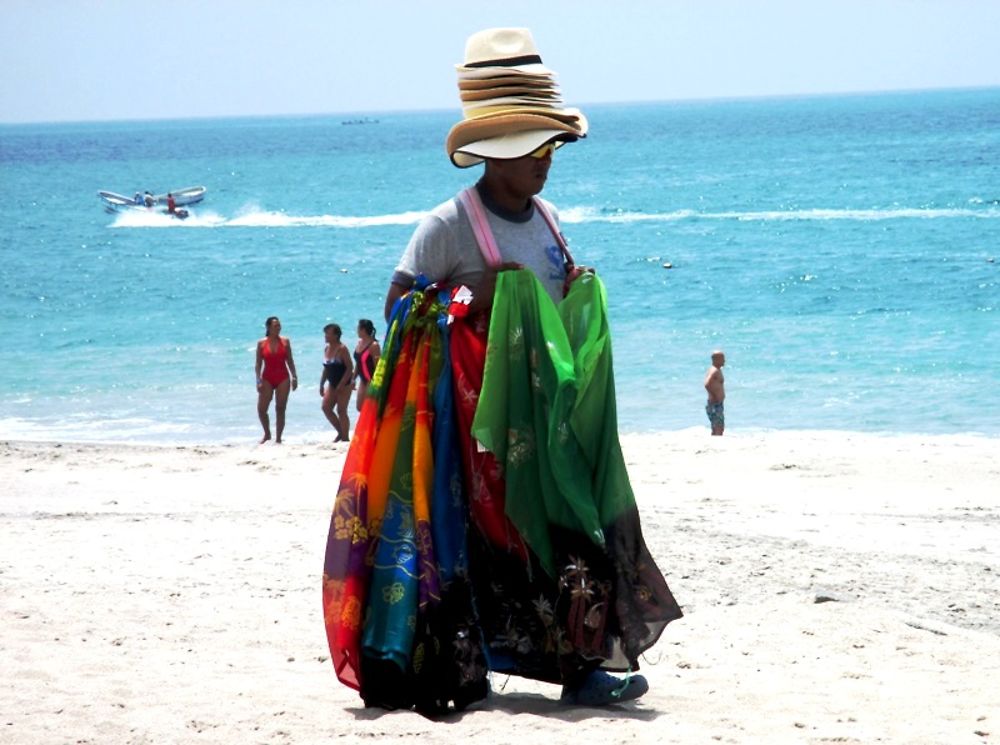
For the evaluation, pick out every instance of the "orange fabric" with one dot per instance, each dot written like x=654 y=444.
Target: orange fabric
x=357 y=518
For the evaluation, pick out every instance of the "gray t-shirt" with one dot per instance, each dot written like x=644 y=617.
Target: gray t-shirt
x=444 y=249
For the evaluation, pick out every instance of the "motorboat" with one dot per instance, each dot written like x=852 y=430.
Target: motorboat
x=182 y=197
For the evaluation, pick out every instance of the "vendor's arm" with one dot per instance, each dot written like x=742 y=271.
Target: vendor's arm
x=394 y=293
x=433 y=252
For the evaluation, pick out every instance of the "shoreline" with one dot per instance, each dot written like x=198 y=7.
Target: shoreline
x=321 y=437
x=836 y=587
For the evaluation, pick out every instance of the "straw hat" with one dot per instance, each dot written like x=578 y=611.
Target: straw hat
x=510 y=101
x=513 y=49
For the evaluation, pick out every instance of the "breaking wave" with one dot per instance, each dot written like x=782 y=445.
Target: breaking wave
x=589 y=214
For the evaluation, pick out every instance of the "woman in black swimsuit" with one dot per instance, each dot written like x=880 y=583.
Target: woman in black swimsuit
x=366 y=355
x=338 y=371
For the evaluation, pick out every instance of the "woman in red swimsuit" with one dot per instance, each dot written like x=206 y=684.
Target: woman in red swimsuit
x=366 y=355
x=276 y=379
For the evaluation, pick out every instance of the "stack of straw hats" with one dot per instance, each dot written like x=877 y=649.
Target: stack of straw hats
x=510 y=100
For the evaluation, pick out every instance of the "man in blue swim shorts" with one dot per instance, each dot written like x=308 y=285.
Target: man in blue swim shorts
x=715 y=384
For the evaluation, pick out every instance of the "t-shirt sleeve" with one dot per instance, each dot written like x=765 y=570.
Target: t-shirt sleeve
x=432 y=252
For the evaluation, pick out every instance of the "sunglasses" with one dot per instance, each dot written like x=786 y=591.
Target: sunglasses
x=544 y=151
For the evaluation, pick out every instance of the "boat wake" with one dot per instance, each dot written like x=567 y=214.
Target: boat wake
x=152 y=219
x=282 y=220
x=260 y=219
x=255 y=218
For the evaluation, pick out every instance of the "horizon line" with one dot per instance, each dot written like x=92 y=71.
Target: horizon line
x=389 y=111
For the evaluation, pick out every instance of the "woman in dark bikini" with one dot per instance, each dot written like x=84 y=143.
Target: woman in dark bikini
x=276 y=377
x=366 y=355
x=337 y=374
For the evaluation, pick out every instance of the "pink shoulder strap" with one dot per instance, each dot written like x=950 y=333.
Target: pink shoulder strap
x=480 y=227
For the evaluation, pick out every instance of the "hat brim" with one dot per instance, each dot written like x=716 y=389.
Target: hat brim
x=508 y=146
x=517 y=80
x=486 y=94
x=503 y=127
x=511 y=104
x=489 y=113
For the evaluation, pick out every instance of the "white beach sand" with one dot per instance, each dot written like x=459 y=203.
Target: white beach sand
x=172 y=595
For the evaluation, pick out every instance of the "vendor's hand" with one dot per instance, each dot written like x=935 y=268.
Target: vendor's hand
x=482 y=294
x=578 y=271
x=295 y=384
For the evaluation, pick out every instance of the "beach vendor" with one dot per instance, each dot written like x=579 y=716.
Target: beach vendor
x=485 y=521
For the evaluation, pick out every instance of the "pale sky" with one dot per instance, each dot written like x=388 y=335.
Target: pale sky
x=72 y=60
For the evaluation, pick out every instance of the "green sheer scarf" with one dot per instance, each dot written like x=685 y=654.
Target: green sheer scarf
x=547 y=410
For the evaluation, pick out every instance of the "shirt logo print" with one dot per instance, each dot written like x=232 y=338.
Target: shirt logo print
x=555 y=258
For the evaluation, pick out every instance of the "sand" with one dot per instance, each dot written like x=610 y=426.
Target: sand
x=837 y=588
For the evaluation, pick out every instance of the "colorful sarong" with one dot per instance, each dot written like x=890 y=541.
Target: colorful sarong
x=484 y=517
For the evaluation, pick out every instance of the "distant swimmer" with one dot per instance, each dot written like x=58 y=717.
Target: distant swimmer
x=715 y=384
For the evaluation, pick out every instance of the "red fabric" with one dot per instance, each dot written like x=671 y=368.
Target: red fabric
x=485 y=485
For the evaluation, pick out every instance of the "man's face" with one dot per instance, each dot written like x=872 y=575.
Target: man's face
x=525 y=176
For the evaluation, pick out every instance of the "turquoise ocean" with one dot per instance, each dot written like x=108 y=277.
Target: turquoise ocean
x=843 y=250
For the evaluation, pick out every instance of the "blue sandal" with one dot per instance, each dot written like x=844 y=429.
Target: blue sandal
x=602 y=689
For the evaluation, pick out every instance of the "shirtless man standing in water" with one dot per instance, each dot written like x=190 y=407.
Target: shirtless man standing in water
x=715 y=384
